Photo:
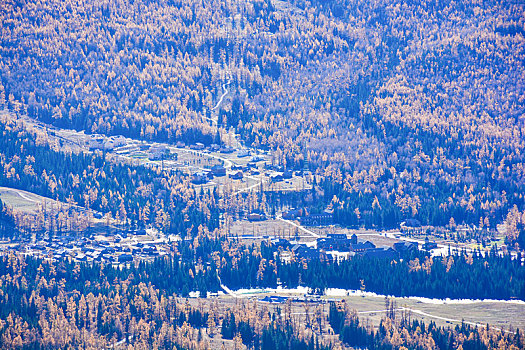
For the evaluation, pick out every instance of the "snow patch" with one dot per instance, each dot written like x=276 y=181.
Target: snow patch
x=337 y=292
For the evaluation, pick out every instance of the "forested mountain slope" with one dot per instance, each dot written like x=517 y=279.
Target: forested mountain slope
x=411 y=107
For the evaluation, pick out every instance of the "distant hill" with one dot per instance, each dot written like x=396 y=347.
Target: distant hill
x=413 y=106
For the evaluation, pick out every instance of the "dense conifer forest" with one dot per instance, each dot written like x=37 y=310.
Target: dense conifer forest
x=61 y=303
x=462 y=276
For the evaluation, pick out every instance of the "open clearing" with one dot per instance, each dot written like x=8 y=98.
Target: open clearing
x=500 y=315
x=371 y=309
x=23 y=201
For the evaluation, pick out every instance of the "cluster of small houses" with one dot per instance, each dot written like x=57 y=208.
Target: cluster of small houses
x=337 y=247
x=198 y=146
x=203 y=177
x=86 y=249
x=160 y=151
x=281 y=173
x=305 y=217
x=103 y=143
x=219 y=170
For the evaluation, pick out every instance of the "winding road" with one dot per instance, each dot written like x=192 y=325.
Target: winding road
x=215 y=120
x=422 y=313
x=24 y=196
x=426 y=314
x=222 y=96
x=249 y=188
x=228 y=290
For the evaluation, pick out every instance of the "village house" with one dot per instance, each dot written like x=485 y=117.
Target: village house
x=197 y=146
x=404 y=247
x=199 y=178
x=218 y=170
x=429 y=245
x=237 y=175
x=381 y=253
x=157 y=152
x=255 y=216
x=320 y=219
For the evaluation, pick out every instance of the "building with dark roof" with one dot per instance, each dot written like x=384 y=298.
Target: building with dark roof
x=237 y=175
x=413 y=223
x=256 y=216
x=287 y=174
x=226 y=149
x=334 y=241
x=292 y=214
x=276 y=178
x=321 y=219
x=403 y=247
x=199 y=178
x=304 y=252
x=125 y=258
x=280 y=242
x=429 y=245
x=218 y=170
x=381 y=253
x=362 y=246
